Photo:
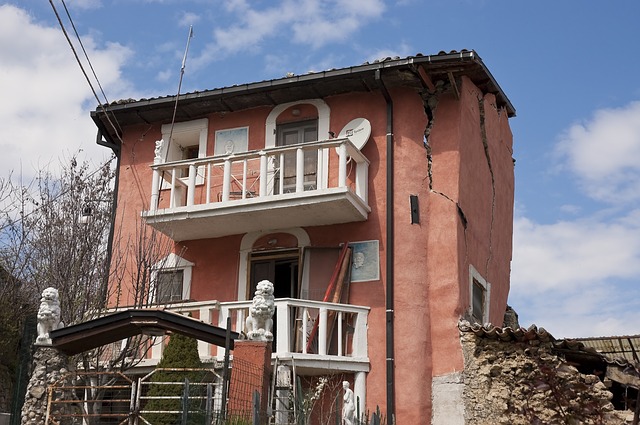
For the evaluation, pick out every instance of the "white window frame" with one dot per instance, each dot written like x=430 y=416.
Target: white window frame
x=172 y=263
x=475 y=275
x=196 y=129
x=324 y=116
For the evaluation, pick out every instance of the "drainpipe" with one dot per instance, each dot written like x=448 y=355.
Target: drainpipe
x=116 y=151
x=391 y=390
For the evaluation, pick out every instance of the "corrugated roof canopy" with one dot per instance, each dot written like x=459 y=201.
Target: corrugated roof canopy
x=124 y=324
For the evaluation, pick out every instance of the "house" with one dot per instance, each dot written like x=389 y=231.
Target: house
x=407 y=161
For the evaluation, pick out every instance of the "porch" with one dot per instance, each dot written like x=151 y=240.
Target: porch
x=308 y=184
x=317 y=336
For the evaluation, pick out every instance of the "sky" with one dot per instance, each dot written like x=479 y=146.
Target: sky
x=569 y=67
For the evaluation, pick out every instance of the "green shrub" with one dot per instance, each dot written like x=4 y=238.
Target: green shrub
x=180 y=352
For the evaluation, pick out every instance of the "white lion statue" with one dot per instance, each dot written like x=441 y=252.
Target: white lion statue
x=48 y=315
x=260 y=323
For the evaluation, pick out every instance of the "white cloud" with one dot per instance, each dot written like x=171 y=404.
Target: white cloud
x=599 y=310
x=565 y=257
x=48 y=113
x=604 y=154
x=313 y=23
x=403 y=50
x=188 y=18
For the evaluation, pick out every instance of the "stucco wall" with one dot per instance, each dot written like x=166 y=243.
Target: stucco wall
x=465 y=218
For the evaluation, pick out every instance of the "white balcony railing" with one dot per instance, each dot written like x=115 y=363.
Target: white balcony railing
x=256 y=174
x=305 y=330
x=217 y=192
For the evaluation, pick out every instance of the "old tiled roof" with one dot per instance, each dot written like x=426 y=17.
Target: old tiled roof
x=419 y=71
x=610 y=350
x=506 y=334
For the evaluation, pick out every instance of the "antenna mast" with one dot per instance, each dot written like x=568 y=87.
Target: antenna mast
x=175 y=106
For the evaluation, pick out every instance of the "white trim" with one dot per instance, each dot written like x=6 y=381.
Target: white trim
x=172 y=262
x=474 y=274
x=324 y=115
x=245 y=249
x=171 y=148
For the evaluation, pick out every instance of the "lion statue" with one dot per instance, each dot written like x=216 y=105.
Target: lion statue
x=48 y=315
x=260 y=323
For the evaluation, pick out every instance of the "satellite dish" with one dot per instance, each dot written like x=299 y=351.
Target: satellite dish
x=358 y=131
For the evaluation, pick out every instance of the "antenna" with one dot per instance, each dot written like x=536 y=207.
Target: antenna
x=175 y=106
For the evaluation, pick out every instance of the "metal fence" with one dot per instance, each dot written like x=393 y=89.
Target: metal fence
x=163 y=396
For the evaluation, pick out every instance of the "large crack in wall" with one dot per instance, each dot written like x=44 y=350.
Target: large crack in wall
x=485 y=143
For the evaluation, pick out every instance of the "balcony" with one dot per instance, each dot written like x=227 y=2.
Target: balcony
x=308 y=184
x=317 y=336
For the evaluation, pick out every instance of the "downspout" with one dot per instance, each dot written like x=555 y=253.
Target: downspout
x=391 y=390
x=114 y=205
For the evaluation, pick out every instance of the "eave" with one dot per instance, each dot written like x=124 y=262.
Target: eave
x=410 y=71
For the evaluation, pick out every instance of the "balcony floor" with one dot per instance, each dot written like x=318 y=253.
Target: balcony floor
x=311 y=208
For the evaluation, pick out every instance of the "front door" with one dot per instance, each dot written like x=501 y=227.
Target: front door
x=278 y=267
x=281 y=269
x=292 y=134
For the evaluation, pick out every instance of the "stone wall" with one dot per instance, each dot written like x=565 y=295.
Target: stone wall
x=514 y=377
x=49 y=366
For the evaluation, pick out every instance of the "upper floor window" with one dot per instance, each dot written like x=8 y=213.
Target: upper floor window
x=293 y=134
x=171 y=280
x=479 y=293
x=188 y=141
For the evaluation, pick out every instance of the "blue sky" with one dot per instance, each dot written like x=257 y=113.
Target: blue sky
x=570 y=68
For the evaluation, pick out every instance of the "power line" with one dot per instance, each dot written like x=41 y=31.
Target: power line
x=75 y=54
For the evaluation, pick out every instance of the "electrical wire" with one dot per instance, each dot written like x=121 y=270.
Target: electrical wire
x=84 y=72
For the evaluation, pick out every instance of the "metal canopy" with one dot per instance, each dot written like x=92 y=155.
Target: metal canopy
x=395 y=72
x=94 y=333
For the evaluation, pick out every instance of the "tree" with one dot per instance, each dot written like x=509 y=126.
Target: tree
x=57 y=230
x=180 y=352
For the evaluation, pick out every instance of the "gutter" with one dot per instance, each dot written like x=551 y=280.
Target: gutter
x=114 y=206
x=390 y=356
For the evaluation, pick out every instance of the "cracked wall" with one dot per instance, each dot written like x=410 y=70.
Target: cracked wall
x=468 y=150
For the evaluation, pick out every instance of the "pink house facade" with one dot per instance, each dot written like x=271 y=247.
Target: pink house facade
x=409 y=162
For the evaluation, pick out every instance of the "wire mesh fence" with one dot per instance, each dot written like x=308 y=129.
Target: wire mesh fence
x=161 y=397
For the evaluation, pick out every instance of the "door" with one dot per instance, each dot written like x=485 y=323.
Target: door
x=281 y=269
x=292 y=134
x=278 y=267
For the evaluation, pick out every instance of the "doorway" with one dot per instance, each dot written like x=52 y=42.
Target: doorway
x=293 y=134
x=278 y=267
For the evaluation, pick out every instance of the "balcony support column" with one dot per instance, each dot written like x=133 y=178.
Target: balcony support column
x=342 y=167
x=322 y=331
x=155 y=190
x=263 y=174
x=226 y=180
x=191 y=188
x=299 y=170
x=283 y=336
x=360 y=391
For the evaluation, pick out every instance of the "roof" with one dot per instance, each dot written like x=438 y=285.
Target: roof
x=94 y=333
x=417 y=71
x=615 y=347
x=617 y=351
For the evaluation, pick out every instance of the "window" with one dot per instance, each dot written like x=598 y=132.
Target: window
x=293 y=134
x=171 y=280
x=477 y=301
x=479 y=294
x=188 y=141
x=169 y=285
